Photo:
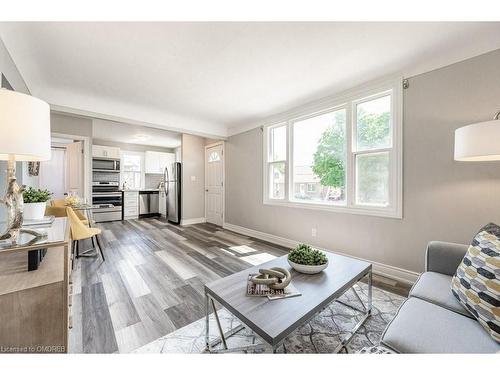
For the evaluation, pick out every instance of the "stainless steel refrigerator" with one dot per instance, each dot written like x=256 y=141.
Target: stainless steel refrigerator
x=172 y=186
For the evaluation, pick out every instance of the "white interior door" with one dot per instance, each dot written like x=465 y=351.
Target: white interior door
x=74 y=168
x=214 y=184
x=52 y=173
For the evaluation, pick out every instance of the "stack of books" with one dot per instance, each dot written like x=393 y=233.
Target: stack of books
x=45 y=221
x=261 y=290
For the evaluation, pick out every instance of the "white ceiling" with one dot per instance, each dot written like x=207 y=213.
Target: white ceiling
x=216 y=78
x=139 y=135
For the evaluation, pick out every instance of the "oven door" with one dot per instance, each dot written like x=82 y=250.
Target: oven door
x=107 y=199
x=105 y=187
x=105 y=164
x=107 y=206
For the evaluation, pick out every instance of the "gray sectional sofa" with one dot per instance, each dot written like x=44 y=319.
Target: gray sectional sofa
x=432 y=320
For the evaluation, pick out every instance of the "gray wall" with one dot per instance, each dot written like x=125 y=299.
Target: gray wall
x=443 y=199
x=66 y=124
x=193 y=165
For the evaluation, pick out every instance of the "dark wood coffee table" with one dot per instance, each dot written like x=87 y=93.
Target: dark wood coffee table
x=274 y=320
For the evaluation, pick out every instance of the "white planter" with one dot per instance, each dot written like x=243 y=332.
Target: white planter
x=303 y=268
x=34 y=211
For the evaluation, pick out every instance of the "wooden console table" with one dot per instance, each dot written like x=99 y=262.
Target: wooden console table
x=34 y=305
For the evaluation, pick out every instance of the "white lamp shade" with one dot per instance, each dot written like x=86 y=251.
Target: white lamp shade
x=24 y=127
x=478 y=142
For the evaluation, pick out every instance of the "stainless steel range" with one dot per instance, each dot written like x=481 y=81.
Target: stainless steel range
x=107 y=198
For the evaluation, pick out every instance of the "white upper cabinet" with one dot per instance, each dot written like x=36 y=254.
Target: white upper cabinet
x=151 y=162
x=155 y=162
x=105 y=152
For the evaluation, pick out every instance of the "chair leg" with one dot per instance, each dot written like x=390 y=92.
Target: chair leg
x=77 y=249
x=92 y=240
x=73 y=255
x=100 y=247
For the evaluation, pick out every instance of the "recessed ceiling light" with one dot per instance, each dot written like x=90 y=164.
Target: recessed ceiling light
x=142 y=137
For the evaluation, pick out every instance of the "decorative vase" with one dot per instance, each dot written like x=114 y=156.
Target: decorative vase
x=34 y=211
x=304 y=268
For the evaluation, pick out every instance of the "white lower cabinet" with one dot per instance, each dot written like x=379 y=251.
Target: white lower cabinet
x=130 y=204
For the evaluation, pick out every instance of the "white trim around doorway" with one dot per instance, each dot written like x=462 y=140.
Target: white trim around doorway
x=223 y=144
x=87 y=160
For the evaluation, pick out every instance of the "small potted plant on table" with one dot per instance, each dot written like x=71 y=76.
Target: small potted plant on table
x=35 y=201
x=305 y=259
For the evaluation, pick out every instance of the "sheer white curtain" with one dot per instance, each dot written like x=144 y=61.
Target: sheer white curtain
x=52 y=173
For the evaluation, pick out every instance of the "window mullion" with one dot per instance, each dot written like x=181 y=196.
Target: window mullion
x=289 y=162
x=349 y=172
x=373 y=151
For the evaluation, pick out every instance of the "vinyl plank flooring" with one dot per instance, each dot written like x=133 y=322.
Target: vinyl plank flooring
x=204 y=251
x=182 y=315
x=215 y=267
x=131 y=337
x=121 y=308
x=160 y=286
x=170 y=234
x=197 y=284
x=156 y=265
x=234 y=238
x=76 y=336
x=183 y=268
x=151 y=282
x=191 y=297
x=153 y=315
x=98 y=335
x=181 y=252
x=133 y=281
x=232 y=263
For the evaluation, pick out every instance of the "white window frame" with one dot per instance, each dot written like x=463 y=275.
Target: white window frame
x=268 y=164
x=347 y=100
x=122 y=165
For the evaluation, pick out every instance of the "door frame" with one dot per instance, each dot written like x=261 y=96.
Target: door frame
x=87 y=162
x=205 y=161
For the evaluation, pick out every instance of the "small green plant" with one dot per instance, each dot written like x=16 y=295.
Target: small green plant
x=305 y=254
x=31 y=195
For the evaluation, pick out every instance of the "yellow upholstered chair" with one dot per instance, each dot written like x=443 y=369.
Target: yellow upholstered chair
x=80 y=231
x=57 y=208
x=55 y=211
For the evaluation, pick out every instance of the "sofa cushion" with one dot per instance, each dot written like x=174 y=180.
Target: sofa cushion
x=435 y=288
x=423 y=327
x=476 y=283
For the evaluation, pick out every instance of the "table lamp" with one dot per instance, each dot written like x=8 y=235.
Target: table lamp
x=478 y=142
x=25 y=136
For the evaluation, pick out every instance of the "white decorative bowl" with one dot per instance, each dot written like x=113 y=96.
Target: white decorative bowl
x=303 y=268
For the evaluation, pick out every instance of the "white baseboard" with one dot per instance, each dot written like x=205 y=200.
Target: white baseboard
x=196 y=220
x=385 y=270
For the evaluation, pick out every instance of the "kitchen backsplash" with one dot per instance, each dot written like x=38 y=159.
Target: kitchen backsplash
x=152 y=180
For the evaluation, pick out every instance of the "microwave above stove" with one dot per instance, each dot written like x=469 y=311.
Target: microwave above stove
x=105 y=165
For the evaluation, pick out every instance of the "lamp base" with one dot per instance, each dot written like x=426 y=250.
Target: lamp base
x=14 y=201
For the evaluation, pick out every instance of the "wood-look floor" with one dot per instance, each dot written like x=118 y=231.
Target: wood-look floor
x=152 y=280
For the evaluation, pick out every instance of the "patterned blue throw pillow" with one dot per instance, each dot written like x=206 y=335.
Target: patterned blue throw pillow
x=476 y=283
